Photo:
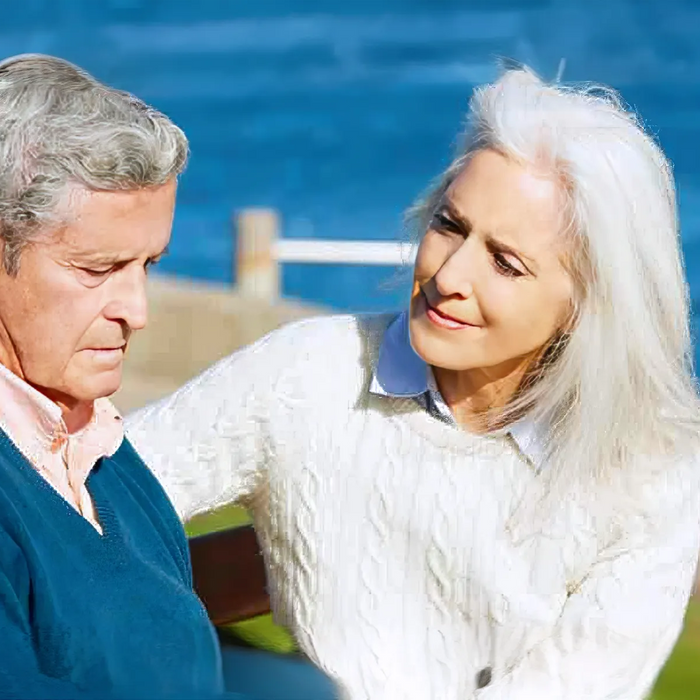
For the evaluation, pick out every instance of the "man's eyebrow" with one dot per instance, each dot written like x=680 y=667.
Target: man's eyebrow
x=97 y=257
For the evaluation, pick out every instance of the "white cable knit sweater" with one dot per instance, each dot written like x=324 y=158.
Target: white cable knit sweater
x=387 y=540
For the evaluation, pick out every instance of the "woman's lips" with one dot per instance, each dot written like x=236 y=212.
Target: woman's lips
x=443 y=320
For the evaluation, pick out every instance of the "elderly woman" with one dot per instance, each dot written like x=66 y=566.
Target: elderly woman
x=493 y=494
x=96 y=595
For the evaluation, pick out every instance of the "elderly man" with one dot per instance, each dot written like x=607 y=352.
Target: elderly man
x=95 y=583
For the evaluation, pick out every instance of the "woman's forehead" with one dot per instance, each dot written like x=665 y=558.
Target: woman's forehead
x=511 y=210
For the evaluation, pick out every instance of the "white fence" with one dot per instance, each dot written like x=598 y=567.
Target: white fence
x=261 y=251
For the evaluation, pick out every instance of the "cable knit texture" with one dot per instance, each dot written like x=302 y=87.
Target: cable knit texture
x=386 y=531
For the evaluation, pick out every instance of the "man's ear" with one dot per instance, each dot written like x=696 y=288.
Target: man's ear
x=9 y=261
x=3 y=268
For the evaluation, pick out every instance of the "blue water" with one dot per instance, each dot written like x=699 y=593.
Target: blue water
x=339 y=114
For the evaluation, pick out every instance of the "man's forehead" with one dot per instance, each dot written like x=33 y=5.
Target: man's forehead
x=111 y=236
x=72 y=244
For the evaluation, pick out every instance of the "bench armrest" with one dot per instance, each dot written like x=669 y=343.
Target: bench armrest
x=229 y=574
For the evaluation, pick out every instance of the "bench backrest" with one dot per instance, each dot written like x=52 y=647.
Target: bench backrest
x=229 y=574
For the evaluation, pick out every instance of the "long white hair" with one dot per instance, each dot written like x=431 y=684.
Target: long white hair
x=616 y=384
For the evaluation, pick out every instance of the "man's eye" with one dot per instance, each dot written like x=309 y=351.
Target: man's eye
x=96 y=273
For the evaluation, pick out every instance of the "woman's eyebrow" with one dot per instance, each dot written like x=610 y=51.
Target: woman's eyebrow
x=491 y=240
x=462 y=221
x=502 y=247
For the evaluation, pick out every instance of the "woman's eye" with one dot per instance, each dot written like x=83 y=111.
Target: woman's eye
x=504 y=267
x=442 y=223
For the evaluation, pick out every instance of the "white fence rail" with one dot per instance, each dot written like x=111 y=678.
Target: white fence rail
x=348 y=252
x=261 y=251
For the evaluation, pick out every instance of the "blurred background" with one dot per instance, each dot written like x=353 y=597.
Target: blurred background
x=335 y=116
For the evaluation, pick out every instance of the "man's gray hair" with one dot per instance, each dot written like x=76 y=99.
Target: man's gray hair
x=60 y=129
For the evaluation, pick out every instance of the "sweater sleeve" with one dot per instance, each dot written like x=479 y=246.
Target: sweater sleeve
x=617 y=629
x=206 y=442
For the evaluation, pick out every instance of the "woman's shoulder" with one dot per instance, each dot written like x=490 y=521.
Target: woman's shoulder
x=298 y=360
x=331 y=340
x=342 y=329
x=305 y=358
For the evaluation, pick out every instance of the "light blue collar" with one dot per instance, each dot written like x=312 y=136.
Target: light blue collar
x=401 y=373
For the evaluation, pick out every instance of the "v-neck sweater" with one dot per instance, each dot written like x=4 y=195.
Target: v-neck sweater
x=90 y=615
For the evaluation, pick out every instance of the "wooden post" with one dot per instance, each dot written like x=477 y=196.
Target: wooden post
x=257 y=267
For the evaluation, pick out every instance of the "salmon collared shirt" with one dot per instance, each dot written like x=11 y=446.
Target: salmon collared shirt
x=35 y=425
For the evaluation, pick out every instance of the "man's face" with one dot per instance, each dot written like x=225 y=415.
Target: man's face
x=66 y=317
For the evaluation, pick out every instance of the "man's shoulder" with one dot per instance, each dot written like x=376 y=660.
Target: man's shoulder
x=136 y=478
x=139 y=486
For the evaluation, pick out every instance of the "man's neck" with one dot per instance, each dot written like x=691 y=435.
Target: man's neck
x=78 y=417
x=76 y=414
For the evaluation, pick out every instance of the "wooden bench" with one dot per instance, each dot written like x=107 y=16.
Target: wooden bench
x=230 y=578
x=229 y=574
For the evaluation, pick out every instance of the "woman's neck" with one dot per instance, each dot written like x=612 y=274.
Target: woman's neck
x=475 y=396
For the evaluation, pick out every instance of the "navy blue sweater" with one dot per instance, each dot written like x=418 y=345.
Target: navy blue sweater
x=84 y=615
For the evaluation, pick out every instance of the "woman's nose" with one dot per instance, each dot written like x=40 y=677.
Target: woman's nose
x=455 y=276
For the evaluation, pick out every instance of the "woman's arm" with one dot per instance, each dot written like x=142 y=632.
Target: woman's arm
x=206 y=442
x=617 y=630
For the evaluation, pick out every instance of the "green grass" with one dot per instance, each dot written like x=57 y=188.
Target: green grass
x=680 y=679
x=229 y=516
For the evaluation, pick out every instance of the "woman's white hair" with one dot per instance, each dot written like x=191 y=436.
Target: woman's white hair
x=615 y=386
x=61 y=129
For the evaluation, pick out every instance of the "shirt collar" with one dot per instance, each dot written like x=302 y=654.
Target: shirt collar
x=35 y=424
x=401 y=373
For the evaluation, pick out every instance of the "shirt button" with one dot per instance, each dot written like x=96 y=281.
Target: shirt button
x=57 y=442
x=483 y=678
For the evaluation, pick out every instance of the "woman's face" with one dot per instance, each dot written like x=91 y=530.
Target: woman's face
x=489 y=287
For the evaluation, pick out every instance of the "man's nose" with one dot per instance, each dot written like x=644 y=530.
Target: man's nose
x=130 y=302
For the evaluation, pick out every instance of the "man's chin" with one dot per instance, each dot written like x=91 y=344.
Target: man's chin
x=99 y=386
